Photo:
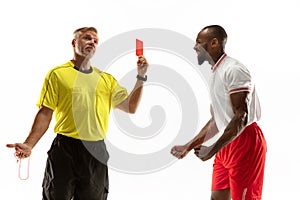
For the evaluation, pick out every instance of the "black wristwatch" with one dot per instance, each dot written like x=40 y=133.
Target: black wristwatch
x=141 y=78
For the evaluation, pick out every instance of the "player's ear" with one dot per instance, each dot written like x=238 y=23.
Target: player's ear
x=214 y=43
x=73 y=42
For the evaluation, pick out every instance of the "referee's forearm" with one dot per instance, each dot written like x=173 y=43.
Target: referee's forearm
x=40 y=125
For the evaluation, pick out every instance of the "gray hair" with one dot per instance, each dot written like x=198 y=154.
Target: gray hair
x=79 y=31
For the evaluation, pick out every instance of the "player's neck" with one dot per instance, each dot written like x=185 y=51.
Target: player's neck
x=217 y=56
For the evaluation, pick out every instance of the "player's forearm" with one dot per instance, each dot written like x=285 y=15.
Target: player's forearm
x=234 y=128
x=39 y=127
x=207 y=132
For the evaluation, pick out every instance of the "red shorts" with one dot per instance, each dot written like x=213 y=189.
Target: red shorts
x=240 y=165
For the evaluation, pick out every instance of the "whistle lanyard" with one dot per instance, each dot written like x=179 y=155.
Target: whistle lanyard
x=26 y=176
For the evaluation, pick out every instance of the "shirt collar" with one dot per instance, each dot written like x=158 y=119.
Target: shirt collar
x=218 y=62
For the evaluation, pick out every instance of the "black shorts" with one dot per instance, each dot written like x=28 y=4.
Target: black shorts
x=76 y=170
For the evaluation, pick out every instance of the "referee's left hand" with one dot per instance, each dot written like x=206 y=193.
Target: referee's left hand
x=142 y=65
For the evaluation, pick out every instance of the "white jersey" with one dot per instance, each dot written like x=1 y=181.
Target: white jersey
x=230 y=76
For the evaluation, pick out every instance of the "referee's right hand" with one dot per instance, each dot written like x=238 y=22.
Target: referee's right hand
x=22 y=150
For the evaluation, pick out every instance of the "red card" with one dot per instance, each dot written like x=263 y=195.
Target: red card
x=138 y=47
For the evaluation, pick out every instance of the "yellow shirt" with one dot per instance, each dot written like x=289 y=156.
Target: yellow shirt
x=81 y=101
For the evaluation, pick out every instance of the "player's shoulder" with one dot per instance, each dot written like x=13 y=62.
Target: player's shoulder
x=231 y=63
x=235 y=68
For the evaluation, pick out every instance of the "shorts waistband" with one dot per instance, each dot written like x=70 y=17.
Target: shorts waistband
x=59 y=135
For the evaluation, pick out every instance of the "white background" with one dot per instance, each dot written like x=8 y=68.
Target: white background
x=264 y=35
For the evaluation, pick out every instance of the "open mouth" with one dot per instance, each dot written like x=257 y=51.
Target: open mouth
x=90 y=48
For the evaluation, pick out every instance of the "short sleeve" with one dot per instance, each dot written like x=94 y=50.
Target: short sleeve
x=119 y=94
x=49 y=93
x=238 y=79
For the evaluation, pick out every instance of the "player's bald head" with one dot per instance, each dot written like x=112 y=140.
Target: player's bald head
x=215 y=31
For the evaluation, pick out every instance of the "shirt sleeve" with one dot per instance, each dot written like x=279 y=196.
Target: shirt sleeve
x=119 y=94
x=49 y=93
x=238 y=79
